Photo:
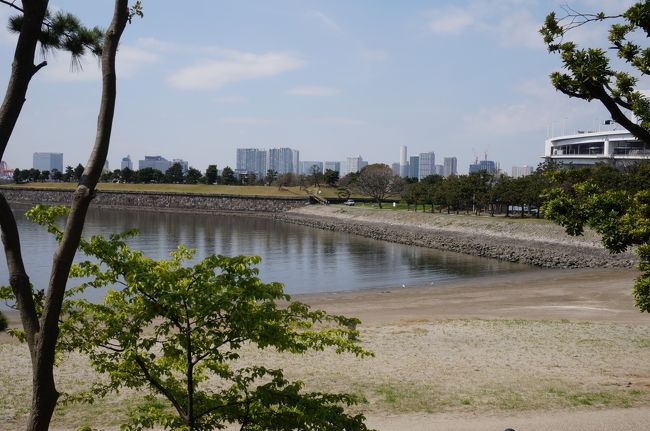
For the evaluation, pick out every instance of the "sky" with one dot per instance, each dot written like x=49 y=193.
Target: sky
x=332 y=79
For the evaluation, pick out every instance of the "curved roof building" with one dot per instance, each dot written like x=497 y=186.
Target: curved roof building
x=617 y=147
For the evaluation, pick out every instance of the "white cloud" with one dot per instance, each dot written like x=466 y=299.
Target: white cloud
x=233 y=66
x=130 y=59
x=313 y=90
x=511 y=22
x=451 y=21
x=326 y=21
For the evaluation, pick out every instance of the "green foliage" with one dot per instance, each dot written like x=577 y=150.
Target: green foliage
x=588 y=73
x=211 y=174
x=171 y=327
x=64 y=31
x=621 y=215
x=228 y=176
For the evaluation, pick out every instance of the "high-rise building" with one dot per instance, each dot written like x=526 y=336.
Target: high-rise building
x=451 y=166
x=403 y=162
x=252 y=160
x=126 y=163
x=48 y=161
x=440 y=170
x=414 y=166
x=306 y=167
x=284 y=160
x=156 y=162
x=484 y=165
x=395 y=168
x=352 y=165
x=427 y=164
x=334 y=166
x=185 y=166
x=521 y=171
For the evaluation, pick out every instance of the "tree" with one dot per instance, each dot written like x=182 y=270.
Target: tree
x=589 y=74
x=17 y=176
x=377 y=181
x=193 y=176
x=170 y=327
x=45 y=175
x=174 y=174
x=69 y=174
x=41 y=325
x=270 y=177
x=228 y=176
x=315 y=176
x=331 y=177
x=127 y=175
x=211 y=174
x=3 y=322
x=56 y=175
x=78 y=172
x=149 y=175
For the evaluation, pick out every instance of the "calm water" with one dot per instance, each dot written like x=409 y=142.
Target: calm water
x=306 y=260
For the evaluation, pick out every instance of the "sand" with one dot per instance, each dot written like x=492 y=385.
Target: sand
x=544 y=350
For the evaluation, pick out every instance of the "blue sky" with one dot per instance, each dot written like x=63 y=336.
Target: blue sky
x=332 y=79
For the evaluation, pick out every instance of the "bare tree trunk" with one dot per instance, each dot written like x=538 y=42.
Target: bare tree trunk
x=42 y=335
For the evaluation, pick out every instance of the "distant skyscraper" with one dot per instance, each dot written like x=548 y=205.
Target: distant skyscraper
x=414 y=166
x=48 y=161
x=403 y=162
x=126 y=163
x=185 y=166
x=521 y=171
x=451 y=166
x=156 y=162
x=252 y=160
x=306 y=167
x=283 y=160
x=427 y=165
x=351 y=165
x=395 y=168
x=334 y=166
x=440 y=170
x=483 y=165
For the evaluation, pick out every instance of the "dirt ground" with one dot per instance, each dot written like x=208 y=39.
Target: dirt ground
x=545 y=350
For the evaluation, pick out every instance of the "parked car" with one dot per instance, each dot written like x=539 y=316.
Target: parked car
x=349 y=202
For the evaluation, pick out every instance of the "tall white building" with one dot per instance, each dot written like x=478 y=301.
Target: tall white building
x=334 y=166
x=126 y=163
x=521 y=171
x=284 y=160
x=427 y=165
x=48 y=161
x=156 y=162
x=403 y=162
x=252 y=160
x=352 y=165
x=306 y=167
x=451 y=166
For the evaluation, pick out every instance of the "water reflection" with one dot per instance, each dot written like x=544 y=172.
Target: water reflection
x=304 y=259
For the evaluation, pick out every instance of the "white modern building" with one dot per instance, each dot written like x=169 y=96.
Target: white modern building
x=352 y=165
x=48 y=161
x=126 y=163
x=617 y=147
x=427 y=165
x=307 y=166
x=155 y=162
x=403 y=162
x=284 y=160
x=334 y=166
x=451 y=166
x=252 y=160
x=521 y=171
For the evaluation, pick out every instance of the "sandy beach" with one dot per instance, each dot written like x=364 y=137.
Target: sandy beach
x=544 y=350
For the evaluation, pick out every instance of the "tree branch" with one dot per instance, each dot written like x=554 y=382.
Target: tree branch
x=156 y=384
x=12 y=4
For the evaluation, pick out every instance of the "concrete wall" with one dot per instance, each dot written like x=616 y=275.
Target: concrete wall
x=160 y=201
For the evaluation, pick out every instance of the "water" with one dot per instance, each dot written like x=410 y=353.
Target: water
x=306 y=260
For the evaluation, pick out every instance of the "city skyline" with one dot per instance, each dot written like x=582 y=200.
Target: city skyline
x=330 y=79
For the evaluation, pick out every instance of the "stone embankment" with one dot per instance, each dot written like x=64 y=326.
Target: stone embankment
x=533 y=242
x=195 y=202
